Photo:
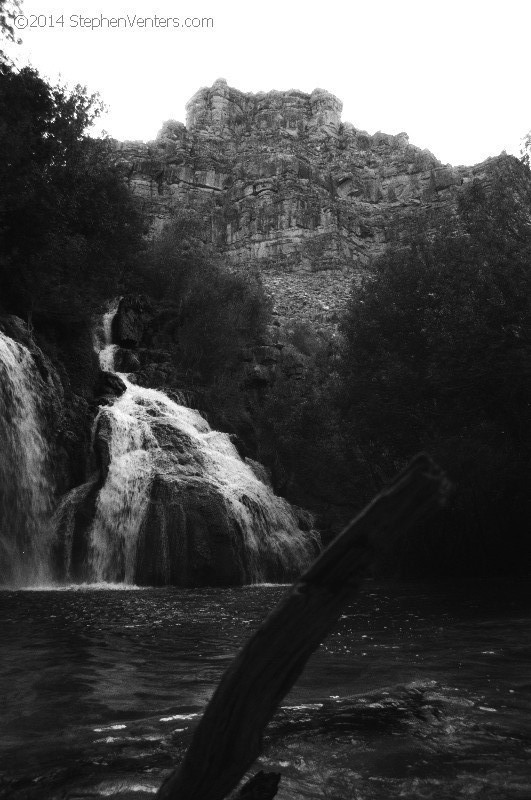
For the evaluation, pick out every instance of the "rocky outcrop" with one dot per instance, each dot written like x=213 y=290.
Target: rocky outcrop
x=130 y=321
x=109 y=387
x=126 y=360
x=280 y=182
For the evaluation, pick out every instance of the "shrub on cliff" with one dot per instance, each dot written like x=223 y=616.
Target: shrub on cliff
x=207 y=312
x=69 y=228
x=437 y=353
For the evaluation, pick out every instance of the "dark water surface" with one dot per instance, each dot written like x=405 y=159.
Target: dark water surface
x=419 y=693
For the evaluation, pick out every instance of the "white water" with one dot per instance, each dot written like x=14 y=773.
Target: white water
x=123 y=499
x=103 y=339
x=147 y=435
x=25 y=488
x=267 y=523
x=207 y=504
x=83 y=587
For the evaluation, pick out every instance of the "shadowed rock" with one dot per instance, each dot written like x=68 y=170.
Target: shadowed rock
x=110 y=386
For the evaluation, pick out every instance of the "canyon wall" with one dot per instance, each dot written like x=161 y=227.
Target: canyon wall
x=283 y=185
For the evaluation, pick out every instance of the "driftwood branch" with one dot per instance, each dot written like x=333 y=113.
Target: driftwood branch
x=228 y=739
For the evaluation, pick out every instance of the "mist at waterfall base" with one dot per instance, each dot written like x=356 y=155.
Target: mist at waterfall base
x=420 y=692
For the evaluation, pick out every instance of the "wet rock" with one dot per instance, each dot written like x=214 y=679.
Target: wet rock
x=157 y=375
x=262 y=473
x=72 y=519
x=132 y=316
x=188 y=539
x=126 y=360
x=109 y=387
x=305 y=518
x=16 y=329
x=102 y=444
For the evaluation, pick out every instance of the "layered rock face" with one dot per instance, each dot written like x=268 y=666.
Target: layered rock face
x=281 y=183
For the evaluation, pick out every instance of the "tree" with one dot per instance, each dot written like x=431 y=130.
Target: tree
x=302 y=436
x=8 y=11
x=69 y=228
x=437 y=348
x=206 y=310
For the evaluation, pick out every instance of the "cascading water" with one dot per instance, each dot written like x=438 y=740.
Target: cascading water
x=155 y=440
x=103 y=340
x=177 y=504
x=25 y=487
x=123 y=497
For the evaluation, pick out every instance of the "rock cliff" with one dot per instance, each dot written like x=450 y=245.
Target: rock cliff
x=281 y=183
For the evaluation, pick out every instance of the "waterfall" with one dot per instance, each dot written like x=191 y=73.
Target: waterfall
x=124 y=496
x=176 y=503
x=154 y=438
x=25 y=488
x=103 y=339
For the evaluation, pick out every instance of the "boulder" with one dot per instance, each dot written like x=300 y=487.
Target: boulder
x=130 y=320
x=126 y=360
x=188 y=538
x=109 y=387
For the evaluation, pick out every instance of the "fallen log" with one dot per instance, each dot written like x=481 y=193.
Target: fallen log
x=228 y=739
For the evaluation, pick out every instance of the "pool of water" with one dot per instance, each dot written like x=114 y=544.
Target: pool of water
x=420 y=692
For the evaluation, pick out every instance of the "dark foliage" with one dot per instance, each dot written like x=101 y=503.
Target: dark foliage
x=206 y=312
x=301 y=434
x=68 y=227
x=437 y=354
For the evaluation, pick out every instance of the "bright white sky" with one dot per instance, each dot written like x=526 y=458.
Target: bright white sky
x=453 y=74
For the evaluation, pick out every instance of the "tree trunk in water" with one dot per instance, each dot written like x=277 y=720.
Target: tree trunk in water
x=228 y=739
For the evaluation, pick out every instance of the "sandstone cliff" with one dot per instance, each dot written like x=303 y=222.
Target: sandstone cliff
x=281 y=183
